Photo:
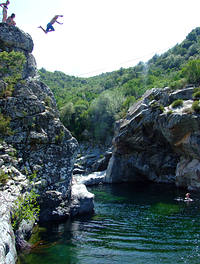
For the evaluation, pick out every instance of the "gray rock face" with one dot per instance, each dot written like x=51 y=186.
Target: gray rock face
x=102 y=163
x=150 y=141
x=40 y=144
x=8 y=254
x=16 y=184
x=41 y=140
x=12 y=38
x=91 y=159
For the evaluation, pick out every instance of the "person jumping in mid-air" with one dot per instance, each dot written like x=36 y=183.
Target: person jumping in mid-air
x=5 y=7
x=49 y=25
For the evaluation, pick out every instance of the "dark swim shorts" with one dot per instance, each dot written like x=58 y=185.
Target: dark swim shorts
x=50 y=27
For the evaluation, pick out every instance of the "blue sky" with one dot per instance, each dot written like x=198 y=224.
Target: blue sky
x=104 y=35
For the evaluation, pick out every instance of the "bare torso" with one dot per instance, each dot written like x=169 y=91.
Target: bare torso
x=5 y=10
x=53 y=20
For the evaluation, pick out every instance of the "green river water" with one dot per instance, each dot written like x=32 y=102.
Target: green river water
x=133 y=224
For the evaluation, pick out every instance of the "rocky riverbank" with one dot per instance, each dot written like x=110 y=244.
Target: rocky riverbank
x=39 y=144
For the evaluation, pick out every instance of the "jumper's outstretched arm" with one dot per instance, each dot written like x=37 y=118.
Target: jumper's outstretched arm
x=59 y=23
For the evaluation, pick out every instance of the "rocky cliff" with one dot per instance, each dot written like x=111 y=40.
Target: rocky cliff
x=156 y=142
x=38 y=143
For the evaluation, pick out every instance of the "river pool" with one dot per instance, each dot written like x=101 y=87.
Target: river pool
x=136 y=224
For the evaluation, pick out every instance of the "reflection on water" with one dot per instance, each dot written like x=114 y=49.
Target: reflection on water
x=132 y=224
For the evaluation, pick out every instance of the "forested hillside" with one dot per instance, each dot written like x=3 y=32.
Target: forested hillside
x=90 y=106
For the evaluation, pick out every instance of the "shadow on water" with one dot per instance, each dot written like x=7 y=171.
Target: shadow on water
x=52 y=243
x=132 y=224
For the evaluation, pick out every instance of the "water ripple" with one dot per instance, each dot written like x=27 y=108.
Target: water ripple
x=129 y=228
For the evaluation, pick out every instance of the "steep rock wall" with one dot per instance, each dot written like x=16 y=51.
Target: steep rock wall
x=41 y=144
x=41 y=140
x=157 y=142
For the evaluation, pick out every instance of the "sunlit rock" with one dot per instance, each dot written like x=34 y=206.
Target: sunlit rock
x=156 y=142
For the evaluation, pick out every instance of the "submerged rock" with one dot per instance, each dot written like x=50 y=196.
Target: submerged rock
x=24 y=231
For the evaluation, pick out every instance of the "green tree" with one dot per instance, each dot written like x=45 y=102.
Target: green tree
x=102 y=114
x=66 y=113
x=192 y=36
x=160 y=71
x=192 y=71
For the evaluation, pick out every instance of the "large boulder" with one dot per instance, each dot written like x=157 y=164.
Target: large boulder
x=12 y=38
x=82 y=200
x=156 y=142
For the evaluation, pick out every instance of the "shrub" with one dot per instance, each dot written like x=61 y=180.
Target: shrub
x=196 y=95
x=59 y=137
x=178 y=84
x=5 y=125
x=161 y=107
x=3 y=177
x=177 y=103
x=169 y=112
x=47 y=101
x=192 y=71
x=11 y=67
x=11 y=63
x=196 y=89
x=130 y=100
x=156 y=105
x=196 y=106
x=27 y=208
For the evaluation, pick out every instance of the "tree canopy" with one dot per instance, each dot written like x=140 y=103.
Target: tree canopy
x=93 y=104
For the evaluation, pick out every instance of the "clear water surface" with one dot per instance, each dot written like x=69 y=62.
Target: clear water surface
x=134 y=224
